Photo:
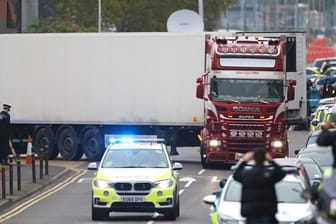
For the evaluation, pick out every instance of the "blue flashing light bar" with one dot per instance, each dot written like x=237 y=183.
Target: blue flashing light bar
x=128 y=139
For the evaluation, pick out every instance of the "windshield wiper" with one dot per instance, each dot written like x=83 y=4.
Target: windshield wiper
x=263 y=101
x=232 y=100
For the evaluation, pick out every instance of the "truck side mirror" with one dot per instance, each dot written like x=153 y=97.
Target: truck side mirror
x=290 y=93
x=200 y=88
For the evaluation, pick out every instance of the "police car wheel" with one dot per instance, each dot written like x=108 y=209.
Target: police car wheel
x=98 y=214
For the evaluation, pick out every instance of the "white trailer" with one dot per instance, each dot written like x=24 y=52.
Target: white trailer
x=69 y=90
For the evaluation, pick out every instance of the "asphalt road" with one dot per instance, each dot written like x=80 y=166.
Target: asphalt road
x=71 y=202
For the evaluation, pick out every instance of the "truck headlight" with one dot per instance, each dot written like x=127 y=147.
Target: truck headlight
x=102 y=184
x=277 y=144
x=163 y=184
x=214 y=143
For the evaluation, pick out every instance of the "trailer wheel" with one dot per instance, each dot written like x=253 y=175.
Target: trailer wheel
x=67 y=142
x=44 y=137
x=92 y=142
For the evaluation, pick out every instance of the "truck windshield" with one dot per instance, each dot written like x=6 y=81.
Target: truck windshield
x=246 y=90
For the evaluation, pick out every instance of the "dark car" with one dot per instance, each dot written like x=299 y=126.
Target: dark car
x=321 y=154
x=307 y=167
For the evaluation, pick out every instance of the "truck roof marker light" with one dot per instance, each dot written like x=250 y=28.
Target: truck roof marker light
x=230 y=116
x=234 y=49
x=271 y=49
x=243 y=49
x=262 y=117
x=262 y=49
x=253 y=49
x=225 y=49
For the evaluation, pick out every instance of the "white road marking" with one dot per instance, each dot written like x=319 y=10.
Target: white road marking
x=215 y=179
x=201 y=172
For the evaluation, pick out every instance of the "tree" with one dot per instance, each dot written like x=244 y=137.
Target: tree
x=120 y=15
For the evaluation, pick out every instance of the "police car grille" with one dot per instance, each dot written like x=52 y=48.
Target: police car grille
x=144 y=186
x=123 y=186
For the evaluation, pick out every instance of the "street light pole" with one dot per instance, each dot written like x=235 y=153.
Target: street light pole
x=99 y=16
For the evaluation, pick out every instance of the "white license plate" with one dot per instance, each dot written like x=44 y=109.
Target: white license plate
x=133 y=199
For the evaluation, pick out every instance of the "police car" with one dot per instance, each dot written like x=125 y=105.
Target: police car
x=292 y=206
x=135 y=175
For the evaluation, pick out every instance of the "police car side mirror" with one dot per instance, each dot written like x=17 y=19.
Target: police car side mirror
x=315 y=185
x=222 y=183
x=296 y=151
x=93 y=166
x=177 y=166
x=210 y=199
x=314 y=122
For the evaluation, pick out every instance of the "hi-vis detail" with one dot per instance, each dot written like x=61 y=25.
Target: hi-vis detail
x=251 y=87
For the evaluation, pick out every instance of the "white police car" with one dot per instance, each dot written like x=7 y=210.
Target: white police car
x=136 y=175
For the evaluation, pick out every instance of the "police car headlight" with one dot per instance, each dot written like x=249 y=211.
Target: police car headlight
x=102 y=184
x=277 y=144
x=224 y=219
x=214 y=143
x=163 y=184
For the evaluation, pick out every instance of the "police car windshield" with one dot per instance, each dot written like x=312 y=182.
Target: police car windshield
x=246 y=90
x=135 y=158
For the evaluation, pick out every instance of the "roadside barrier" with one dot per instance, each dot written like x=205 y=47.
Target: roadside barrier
x=15 y=160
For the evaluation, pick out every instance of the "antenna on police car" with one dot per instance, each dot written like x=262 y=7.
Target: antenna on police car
x=185 y=20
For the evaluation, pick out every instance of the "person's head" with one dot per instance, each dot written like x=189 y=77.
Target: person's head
x=259 y=156
x=6 y=107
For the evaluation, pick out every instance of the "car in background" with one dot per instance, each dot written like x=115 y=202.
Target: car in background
x=328 y=100
x=319 y=116
x=317 y=63
x=308 y=168
x=135 y=175
x=312 y=73
x=331 y=71
x=330 y=115
x=321 y=154
x=292 y=206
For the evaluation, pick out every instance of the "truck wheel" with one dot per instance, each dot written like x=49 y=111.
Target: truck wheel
x=67 y=142
x=91 y=143
x=44 y=137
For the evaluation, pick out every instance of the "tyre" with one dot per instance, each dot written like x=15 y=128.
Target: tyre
x=170 y=214
x=92 y=143
x=67 y=142
x=44 y=138
x=98 y=214
x=174 y=212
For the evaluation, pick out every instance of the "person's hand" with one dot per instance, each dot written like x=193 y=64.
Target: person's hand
x=248 y=156
x=268 y=156
x=327 y=125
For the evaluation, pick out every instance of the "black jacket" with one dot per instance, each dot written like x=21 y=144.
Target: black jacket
x=5 y=126
x=258 y=192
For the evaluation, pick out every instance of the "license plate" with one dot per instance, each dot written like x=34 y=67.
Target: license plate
x=133 y=199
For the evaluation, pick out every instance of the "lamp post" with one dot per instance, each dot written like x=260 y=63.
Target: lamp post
x=99 y=16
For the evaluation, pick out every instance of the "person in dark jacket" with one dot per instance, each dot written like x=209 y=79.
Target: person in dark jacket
x=327 y=138
x=259 y=201
x=5 y=134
